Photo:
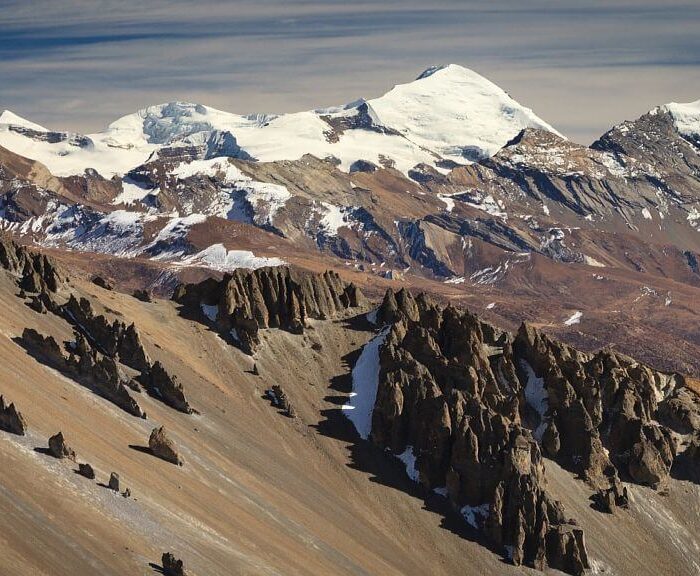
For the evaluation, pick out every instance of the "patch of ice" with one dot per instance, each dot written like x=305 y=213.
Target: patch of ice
x=455 y=280
x=475 y=515
x=211 y=312
x=646 y=214
x=409 y=460
x=490 y=306
x=536 y=397
x=365 y=380
x=575 y=318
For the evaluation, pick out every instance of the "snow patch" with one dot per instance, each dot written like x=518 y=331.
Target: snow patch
x=575 y=318
x=409 y=460
x=475 y=515
x=365 y=380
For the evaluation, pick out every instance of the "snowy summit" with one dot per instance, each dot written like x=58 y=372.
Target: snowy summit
x=449 y=113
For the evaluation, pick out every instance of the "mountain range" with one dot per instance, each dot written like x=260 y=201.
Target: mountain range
x=186 y=261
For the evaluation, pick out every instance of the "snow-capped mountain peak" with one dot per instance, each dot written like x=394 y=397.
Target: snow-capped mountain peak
x=9 y=118
x=456 y=112
x=686 y=117
x=450 y=114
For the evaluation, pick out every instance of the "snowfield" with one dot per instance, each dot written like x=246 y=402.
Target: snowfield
x=449 y=112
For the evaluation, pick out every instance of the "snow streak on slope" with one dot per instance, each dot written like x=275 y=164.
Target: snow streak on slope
x=448 y=112
x=365 y=380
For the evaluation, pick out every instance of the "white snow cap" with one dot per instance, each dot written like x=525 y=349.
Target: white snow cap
x=449 y=112
x=686 y=117
x=9 y=118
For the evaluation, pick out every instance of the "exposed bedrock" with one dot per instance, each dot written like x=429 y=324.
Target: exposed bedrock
x=245 y=301
x=478 y=407
x=11 y=420
x=35 y=272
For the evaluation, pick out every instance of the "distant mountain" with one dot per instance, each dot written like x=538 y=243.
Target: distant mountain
x=444 y=182
x=448 y=115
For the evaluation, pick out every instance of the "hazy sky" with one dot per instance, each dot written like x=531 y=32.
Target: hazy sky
x=581 y=65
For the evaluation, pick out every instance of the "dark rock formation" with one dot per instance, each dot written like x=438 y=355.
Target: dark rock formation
x=172 y=566
x=113 y=482
x=86 y=470
x=603 y=407
x=120 y=342
x=86 y=366
x=279 y=399
x=143 y=295
x=247 y=301
x=166 y=387
x=11 y=420
x=478 y=407
x=36 y=272
x=59 y=449
x=163 y=447
x=102 y=283
x=110 y=338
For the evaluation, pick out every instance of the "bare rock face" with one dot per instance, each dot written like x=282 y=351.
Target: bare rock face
x=117 y=341
x=166 y=387
x=246 y=301
x=110 y=338
x=603 y=407
x=172 y=566
x=143 y=295
x=478 y=407
x=163 y=447
x=85 y=365
x=11 y=420
x=37 y=273
x=59 y=449
x=102 y=283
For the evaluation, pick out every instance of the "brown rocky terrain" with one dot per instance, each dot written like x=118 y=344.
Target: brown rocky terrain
x=262 y=494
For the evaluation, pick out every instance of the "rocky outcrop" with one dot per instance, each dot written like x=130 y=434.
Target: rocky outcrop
x=448 y=391
x=121 y=343
x=244 y=302
x=172 y=566
x=143 y=295
x=478 y=408
x=110 y=338
x=35 y=272
x=166 y=387
x=604 y=409
x=86 y=366
x=163 y=447
x=279 y=399
x=59 y=449
x=11 y=420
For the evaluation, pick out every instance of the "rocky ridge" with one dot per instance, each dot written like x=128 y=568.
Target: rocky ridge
x=478 y=408
x=244 y=302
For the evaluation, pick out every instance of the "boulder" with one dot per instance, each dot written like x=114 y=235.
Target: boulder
x=86 y=470
x=102 y=283
x=143 y=295
x=163 y=447
x=172 y=566
x=59 y=449
x=114 y=482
